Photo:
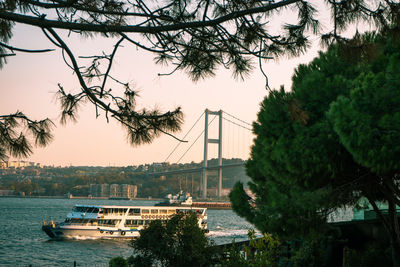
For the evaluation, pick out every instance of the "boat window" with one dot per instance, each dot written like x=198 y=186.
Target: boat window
x=145 y=211
x=146 y=222
x=132 y=222
x=140 y=222
x=154 y=211
x=171 y=211
x=80 y=209
x=163 y=211
x=134 y=211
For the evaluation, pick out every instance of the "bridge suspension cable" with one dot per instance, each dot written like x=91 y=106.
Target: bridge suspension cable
x=236 y=144
x=237 y=124
x=201 y=115
x=249 y=124
x=202 y=132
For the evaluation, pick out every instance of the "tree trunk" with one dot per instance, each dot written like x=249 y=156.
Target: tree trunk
x=396 y=253
x=395 y=234
x=391 y=225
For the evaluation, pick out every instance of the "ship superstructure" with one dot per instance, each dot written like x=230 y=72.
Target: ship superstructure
x=100 y=221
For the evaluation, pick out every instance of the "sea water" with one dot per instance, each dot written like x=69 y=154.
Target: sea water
x=23 y=243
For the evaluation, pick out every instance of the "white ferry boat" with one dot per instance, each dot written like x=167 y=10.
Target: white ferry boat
x=180 y=199
x=98 y=221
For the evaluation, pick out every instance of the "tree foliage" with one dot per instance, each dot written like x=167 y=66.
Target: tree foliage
x=17 y=132
x=330 y=141
x=176 y=242
x=260 y=252
x=193 y=36
x=118 y=262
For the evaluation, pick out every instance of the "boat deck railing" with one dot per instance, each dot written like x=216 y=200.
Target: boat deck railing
x=90 y=224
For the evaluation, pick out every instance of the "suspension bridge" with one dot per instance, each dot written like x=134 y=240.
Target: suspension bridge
x=231 y=136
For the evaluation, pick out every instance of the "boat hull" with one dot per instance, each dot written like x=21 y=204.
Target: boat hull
x=60 y=232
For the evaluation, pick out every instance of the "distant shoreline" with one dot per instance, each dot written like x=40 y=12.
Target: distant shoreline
x=201 y=204
x=79 y=197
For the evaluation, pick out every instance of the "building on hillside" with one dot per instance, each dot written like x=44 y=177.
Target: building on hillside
x=104 y=190
x=93 y=190
x=113 y=190
x=100 y=190
x=18 y=164
x=128 y=190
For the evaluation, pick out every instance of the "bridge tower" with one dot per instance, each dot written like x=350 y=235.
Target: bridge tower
x=212 y=141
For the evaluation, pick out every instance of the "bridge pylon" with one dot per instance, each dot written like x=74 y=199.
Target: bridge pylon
x=212 y=141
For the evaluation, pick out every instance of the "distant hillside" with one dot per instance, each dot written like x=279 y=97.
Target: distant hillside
x=50 y=181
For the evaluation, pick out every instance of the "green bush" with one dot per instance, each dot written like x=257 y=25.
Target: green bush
x=263 y=251
x=118 y=262
x=176 y=242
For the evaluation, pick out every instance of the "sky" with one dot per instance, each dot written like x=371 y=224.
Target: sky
x=28 y=83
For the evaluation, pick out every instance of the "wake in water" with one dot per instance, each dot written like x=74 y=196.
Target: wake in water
x=225 y=235
x=228 y=232
x=84 y=238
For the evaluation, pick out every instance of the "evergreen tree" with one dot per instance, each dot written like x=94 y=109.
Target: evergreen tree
x=327 y=143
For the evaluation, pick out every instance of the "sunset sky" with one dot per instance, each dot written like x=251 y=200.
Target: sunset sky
x=29 y=82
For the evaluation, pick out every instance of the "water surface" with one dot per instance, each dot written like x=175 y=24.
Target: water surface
x=22 y=243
